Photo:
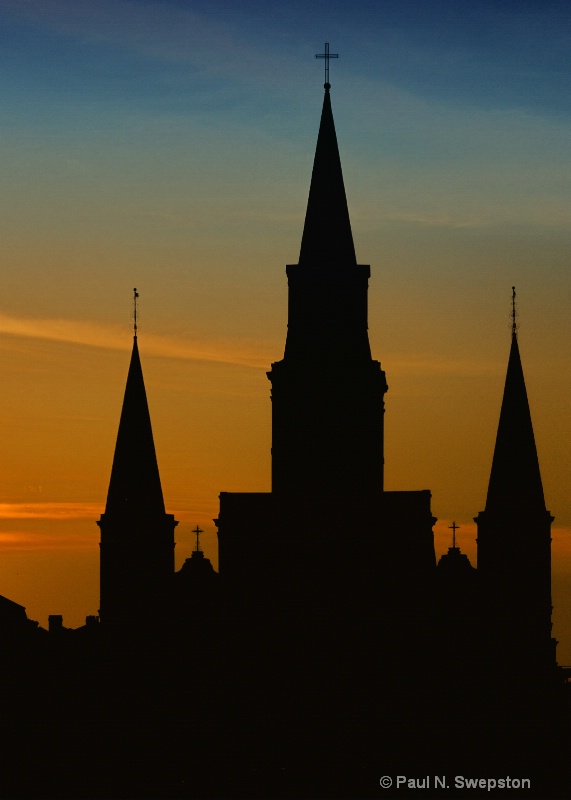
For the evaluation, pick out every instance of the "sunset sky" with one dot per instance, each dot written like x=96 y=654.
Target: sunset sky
x=168 y=145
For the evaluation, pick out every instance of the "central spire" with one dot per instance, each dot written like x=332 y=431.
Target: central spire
x=327 y=392
x=327 y=240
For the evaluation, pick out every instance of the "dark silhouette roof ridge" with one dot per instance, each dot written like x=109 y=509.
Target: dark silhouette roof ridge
x=515 y=479
x=135 y=484
x=327 y=237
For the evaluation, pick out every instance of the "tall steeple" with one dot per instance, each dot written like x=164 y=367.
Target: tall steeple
x=327 y=439
x=327 y=310
x=327 y=392
x=137 y=536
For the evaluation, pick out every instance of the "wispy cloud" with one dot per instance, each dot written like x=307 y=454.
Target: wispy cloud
x=443 y=219
x=244 y=353
x=238 y=352
x=162 y=32
x=18 y=541
x=418 y=365
x=53 y=511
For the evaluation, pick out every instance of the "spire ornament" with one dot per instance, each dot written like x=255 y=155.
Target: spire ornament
x=327 y=55
x=514 y=314
x=135 y=298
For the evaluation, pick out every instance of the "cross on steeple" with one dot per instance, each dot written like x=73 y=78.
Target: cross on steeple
x=454 y=528
x=197 y=531
x=327 y=55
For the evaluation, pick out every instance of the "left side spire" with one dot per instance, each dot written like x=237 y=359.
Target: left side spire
x=135 y=483
x=137 y=536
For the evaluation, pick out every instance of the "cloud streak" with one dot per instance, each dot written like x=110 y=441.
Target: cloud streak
x=91 y=334
x=52 y=511
x=248 y=353
x=161 y=32
x=31 y=541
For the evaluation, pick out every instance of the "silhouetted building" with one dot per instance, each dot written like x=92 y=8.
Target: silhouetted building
x=137 y=536
x=329 y=636
x=14 y=621
x=456 y=611
x=196 y=585
x=454 y=568
x=327 y=392
x=328 y=562
x=327 y=536
x=514 y=539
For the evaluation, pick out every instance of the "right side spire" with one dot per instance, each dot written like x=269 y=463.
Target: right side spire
x=515 y=480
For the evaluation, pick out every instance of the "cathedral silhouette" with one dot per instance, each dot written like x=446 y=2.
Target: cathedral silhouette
x=330 y=649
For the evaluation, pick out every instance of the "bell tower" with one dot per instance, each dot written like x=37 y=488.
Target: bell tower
x=327 y=535
x=514 y=534
x=327 y=391
x=137 y=536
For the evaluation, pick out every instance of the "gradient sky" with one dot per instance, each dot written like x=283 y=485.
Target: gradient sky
x=168 y=146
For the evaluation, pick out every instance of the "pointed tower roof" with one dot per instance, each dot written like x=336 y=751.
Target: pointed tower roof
x=135 y=484
x=327 y=237
x=515 y=480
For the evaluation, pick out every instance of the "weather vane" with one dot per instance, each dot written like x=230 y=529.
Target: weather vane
x=135 y=297
x=327 y=55
x=514 y=324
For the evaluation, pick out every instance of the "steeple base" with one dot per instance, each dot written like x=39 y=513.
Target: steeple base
x=137 y=567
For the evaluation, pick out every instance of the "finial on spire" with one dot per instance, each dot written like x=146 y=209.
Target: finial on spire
x=135 y=297
x=514 y=314
x=327 y=55
x=454 y=528
x=197 y=531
